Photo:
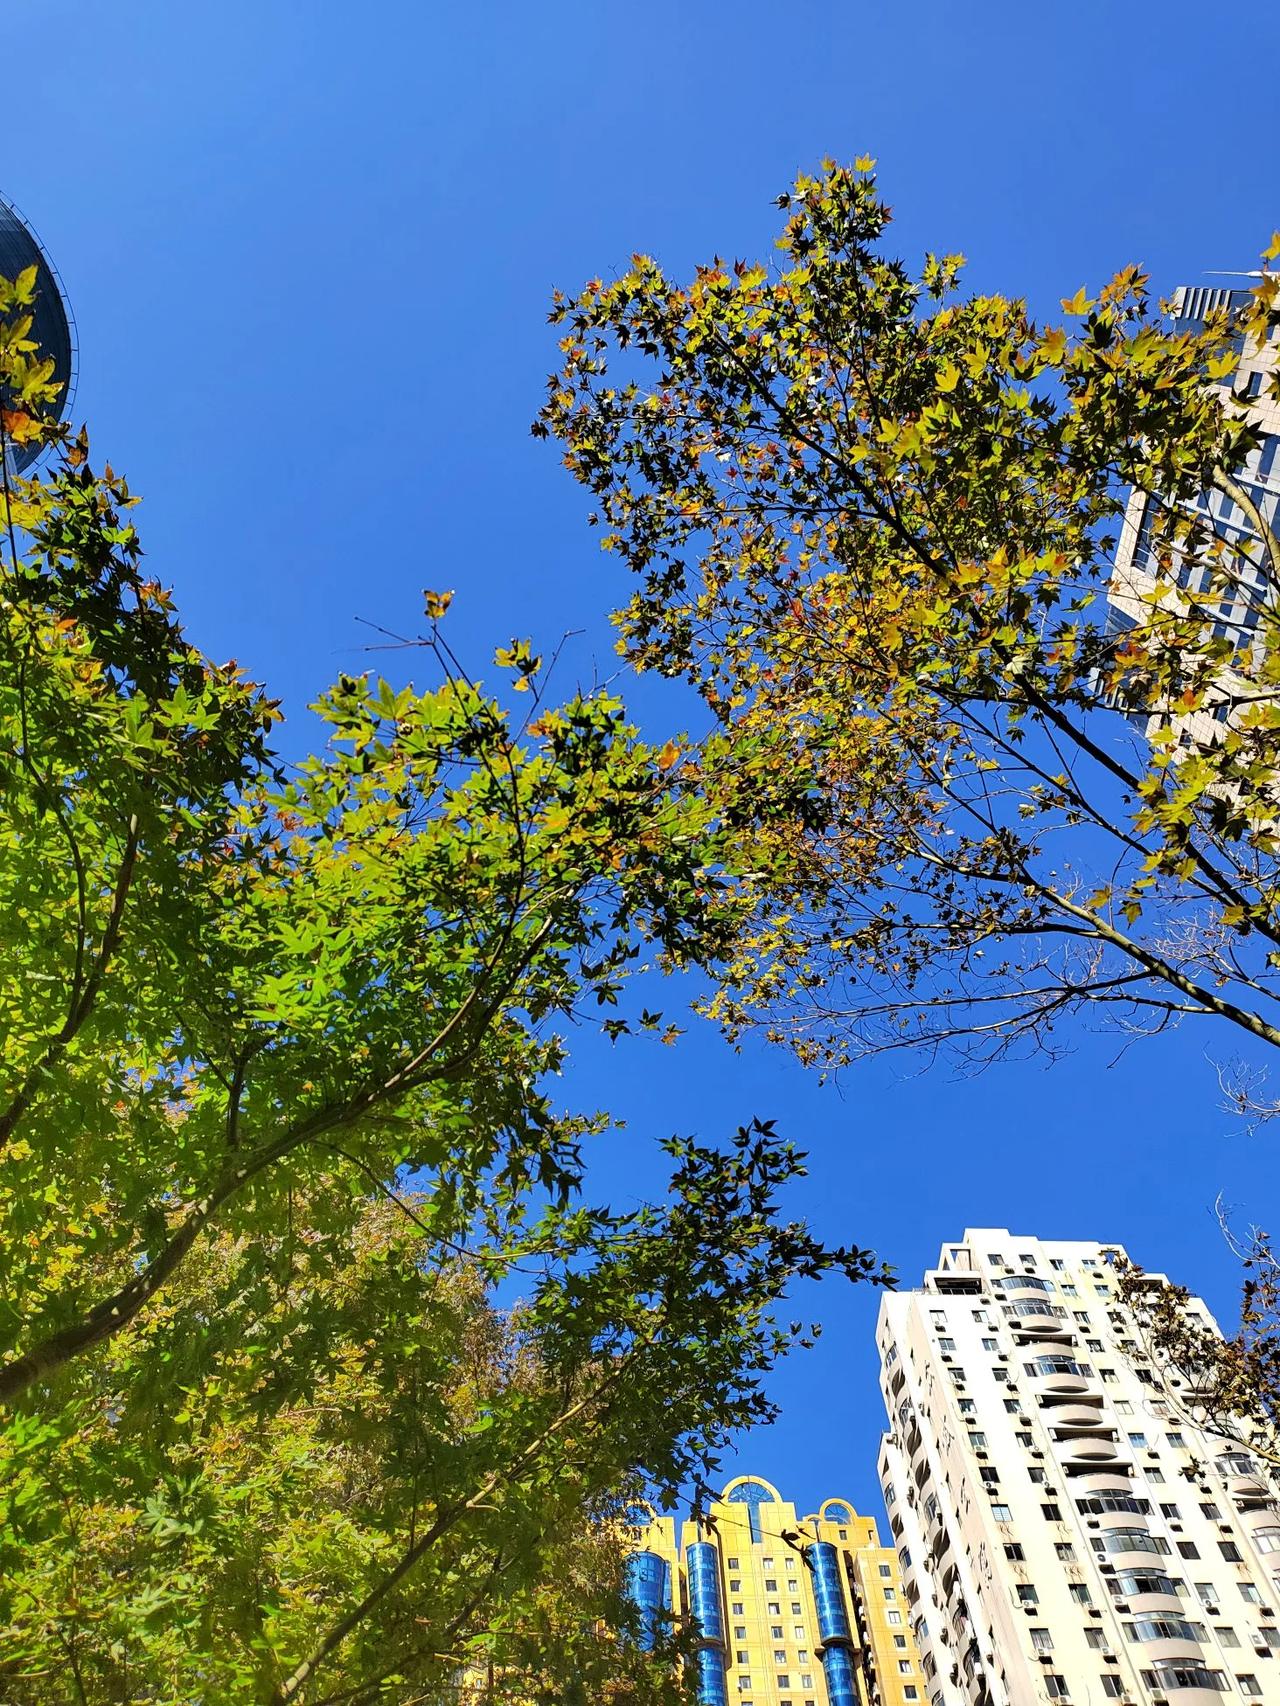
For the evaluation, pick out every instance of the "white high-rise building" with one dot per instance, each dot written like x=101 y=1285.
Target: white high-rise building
x=1247 y=602
x=1062 y=1534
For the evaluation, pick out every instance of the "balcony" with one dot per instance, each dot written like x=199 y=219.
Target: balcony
x=1092 y=1454
x=1069 y=1419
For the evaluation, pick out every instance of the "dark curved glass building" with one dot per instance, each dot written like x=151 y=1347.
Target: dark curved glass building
x=52 y=329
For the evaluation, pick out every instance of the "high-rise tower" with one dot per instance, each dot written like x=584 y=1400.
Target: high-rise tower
x=52 y=328
x=1234 y=610
x=790 y=1611
x=1062 y=1534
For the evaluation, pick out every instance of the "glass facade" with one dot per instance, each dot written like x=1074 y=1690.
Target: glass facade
x=833 y=1624
x=702 y=1561
x=649 y=1585
x=51 y=326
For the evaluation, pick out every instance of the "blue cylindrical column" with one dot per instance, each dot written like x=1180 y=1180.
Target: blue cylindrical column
x=702 y=1561
x=837 y=1667
x=649 y=1587
x=834 y=1629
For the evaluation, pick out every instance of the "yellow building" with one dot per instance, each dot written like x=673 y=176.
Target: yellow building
x=791 y=1611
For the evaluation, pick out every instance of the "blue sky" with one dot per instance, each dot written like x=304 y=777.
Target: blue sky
x=310 y=248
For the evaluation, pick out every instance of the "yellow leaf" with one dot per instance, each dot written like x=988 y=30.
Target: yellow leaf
x=1080 y=303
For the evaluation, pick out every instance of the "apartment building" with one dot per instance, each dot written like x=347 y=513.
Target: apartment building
x=1062 y=1534
x=790 y=1610
x=1235 y=613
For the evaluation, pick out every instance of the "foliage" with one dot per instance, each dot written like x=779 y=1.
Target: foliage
x=1227 y=1387
x=878 y=518
x=262 y=1440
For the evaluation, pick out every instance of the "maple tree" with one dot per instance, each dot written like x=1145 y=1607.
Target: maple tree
x=279 y=1046
x=877 y=517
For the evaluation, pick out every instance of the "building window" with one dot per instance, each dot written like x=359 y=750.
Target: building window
x=1249 y=1593
x=1066 y=1552
x=1042 y=1640
x=1052 y=1512
x=1080 y=1593
x=893 y=1617
x=733 y=1564
x=1002 y=1513
x=1014 y=1552
x=1230 y=1551
x=1056 y=1687
x=1027 y=1595
x=1188 y=1549
x=735 y=1610
x=888 y=1592
x=1249 y=1686
x=1227 y=1637
x=886 y=1569
x=1112 y=1687
x=1138 y=1440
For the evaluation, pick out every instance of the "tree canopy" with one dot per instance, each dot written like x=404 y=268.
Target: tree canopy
x=879 y=518
x=318 y=1369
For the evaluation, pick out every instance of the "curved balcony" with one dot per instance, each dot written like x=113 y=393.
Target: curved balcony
x=1147 y=1588
x=1064 y=1381
x=1078 y=1418
x=1251 y=1490
x=1042 y=1328
x=1016 y=1288
x=1189 y=1681
x=1128 y=1545
x=1088 y=1455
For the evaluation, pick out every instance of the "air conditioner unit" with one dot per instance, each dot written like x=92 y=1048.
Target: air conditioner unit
x=1108 y=1655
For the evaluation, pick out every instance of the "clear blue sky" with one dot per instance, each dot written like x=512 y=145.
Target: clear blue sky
x=310 y=248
